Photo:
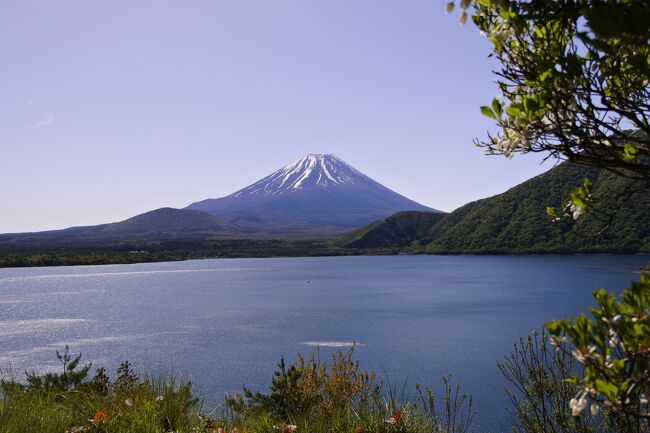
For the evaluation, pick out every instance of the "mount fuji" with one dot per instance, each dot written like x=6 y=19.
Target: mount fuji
x=317 y=192
x=315 y=195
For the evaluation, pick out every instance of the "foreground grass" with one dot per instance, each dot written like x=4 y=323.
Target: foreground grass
x=310 y=395
x=80 y=410
x=70 y=402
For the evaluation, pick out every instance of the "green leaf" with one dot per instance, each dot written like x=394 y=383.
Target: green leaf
x=554 y=327
x=609 y=390
x=487 y=111
x=578 y=200
x=629 y=152
x=513 y=111
x=531 y=104
x=496 y=107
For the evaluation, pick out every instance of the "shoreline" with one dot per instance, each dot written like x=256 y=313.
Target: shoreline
x=101 y=258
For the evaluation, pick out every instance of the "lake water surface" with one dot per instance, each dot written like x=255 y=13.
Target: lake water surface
x=225 y=323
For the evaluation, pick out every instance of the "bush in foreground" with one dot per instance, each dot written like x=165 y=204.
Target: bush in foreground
x=312 y=395
x=613 y=349
x=309 y=395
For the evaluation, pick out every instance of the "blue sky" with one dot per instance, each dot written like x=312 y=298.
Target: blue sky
x=110 y=109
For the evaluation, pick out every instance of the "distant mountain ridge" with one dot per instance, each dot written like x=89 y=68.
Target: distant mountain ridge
x=516 y=222
x=163 y=222
x=318 y=191
x=317 y=195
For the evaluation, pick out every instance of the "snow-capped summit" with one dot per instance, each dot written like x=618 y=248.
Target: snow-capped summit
x=313 y=170
x=315 y=192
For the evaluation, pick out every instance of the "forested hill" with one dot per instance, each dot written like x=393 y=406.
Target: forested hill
x=516 y=221
x=399 y=230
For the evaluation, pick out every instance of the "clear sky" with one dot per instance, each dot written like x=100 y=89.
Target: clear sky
x=113 y=108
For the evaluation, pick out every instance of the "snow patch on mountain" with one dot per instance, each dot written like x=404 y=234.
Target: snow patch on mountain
x=311 y=171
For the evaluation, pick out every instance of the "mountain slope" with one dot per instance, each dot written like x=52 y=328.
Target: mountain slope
x=165 y=220
x=159 y=223
x=314 y=192
x=516 y=221
x=399 y=230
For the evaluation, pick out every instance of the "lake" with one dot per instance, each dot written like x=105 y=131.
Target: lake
x=225 y=323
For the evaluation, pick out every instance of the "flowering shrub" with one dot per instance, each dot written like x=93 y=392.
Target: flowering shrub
x=573 y=80
x=614 y=349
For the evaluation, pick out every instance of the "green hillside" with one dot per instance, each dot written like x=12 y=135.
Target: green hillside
x=164 y=220
x=399 y=230
x=516 y=221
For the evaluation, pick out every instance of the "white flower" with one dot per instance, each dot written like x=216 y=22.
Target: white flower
x=572 y=404
x=594 y=409
x=578 y=211
x=160 y=398
x=292 y=427
x=577 y=405
x=579 y=356
x=128 y=402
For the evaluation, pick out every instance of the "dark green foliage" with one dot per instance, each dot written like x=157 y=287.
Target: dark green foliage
x=398 y=230
x=283 y=402
x=69 y=378
x=59 y=253
x=100 y=382
x=516 y=221
x=127 y=380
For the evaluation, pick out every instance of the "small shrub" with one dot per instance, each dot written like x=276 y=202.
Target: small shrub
x=311 y=395
x=613 y=350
